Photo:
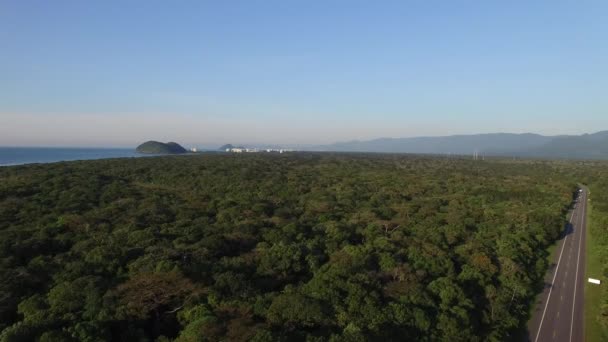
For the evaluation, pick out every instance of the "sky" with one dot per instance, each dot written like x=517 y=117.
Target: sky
x=116 y=73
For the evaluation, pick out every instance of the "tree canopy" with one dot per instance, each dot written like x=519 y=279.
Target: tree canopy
x=263 y=247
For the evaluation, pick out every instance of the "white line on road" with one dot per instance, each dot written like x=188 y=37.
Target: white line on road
x=552 y=282
x=580 y=238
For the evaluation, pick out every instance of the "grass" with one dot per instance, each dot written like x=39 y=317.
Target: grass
x=593 y=293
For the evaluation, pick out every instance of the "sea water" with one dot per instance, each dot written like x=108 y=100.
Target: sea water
x=29 y=155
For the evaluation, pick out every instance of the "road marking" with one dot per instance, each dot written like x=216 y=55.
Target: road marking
x=552 y=282
x=561 y=298
x=582 y=222
x=558 y=314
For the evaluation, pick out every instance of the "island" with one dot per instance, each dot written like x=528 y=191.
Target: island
x=155 y=147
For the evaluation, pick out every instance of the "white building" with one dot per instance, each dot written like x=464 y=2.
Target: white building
x=255 y=150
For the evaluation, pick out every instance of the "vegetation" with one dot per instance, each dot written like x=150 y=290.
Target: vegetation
x=155 y=147
x=595 y=332
x=596 y=297
x=262 y=247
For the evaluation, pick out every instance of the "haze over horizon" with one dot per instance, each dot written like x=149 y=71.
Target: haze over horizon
x=115 y=74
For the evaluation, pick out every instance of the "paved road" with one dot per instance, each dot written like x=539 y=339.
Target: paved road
x=559 y=314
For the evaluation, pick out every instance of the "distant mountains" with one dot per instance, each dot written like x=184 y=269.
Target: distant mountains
x=228 y=147
x=586 y=146
x=155 y=147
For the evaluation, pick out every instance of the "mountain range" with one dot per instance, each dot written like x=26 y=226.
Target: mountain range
x=585 y=146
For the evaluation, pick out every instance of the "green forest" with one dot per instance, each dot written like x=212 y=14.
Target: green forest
x=269 y=247
x=597 y=252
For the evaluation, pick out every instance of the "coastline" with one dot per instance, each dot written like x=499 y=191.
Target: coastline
x=16 y=156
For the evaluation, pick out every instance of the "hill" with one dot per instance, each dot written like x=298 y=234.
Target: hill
x=155 y=147
x=229 y=146
x=584 y=146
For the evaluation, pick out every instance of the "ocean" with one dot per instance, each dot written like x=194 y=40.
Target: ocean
x=29 y=155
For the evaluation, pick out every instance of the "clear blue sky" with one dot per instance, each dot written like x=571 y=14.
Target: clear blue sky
x=111 y=73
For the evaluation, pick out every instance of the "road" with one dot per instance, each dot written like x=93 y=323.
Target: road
x=559 y=315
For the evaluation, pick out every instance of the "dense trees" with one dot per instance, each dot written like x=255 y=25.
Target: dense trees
x=310 y=247
x=596 y=178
